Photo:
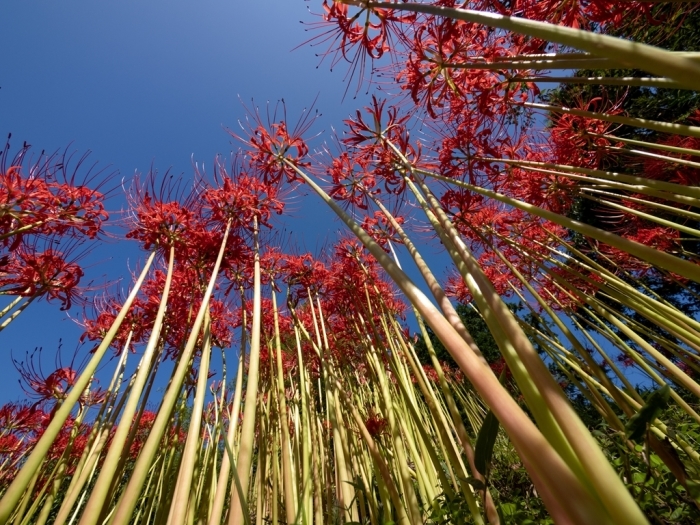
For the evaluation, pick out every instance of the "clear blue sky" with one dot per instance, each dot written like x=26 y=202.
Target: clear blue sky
x=143 y=83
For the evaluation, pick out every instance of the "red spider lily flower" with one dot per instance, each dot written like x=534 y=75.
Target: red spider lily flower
x=144 y=424
x=158 y=223
x=380 y=230
x=53 y=388
x=368 y=32
x=47 y=200
x=161 y=216
x=436 y=72
x=431 y=373
x=625 y=360
x=353 y=180
x=303 y=274
x=381 y=125
x=371 y=28
x=271 y=146
x=372 y=152
x=272 y=266
x=239 y=197
x=185 y=298
x=9 y=444
x=376 y=425
x=78 y=208
x=571 y=139
x=137 y=320
x=32 y=274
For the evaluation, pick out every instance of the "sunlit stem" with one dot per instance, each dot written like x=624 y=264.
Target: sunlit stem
x=663 y=127
x=346 y=492
x=18 y=311
x=684 y=70
x=655 y=156
x=405 y=479
x=377 y=458
x=98 y=439
x=654 y=82
x=288 y=475
x=245 y=451
x=660 y=259
x=222 y=484
x=658 y=206
x=543 y=396
x=102 y=486
x=306 y=437
x=552 y=476
x=11 y=305
x=14 y=492
x=536 y=64
x=454 y=319
x=644 y=144
x=667 y=190
x=129 y=498
x=183 y=486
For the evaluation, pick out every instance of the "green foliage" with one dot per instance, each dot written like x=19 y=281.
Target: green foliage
x=639 y=423
x=654 y=487
x=485 y=442
x=448 y=510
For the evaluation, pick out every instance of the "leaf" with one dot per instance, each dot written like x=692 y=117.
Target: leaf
x=637 y=425
x=476 y=483
x=693 y=488
x=669 y=456
x=485 y=442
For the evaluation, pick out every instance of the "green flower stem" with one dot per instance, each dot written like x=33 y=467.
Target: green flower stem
x=652 y=82
x=378 y=460
x=16 y=489
x=217 y=509
x=660 y=259
x=553 y=478
x=644 y=144
x=649 y=155
x=658 y=206
x=537 y=64
x=405 y=478
x=245 y=450
x=603 y=310
x=18 y=311
x=544 y=398
x=100 y=491
x=290 y=497
x=129 y=499
x=677 y=192
x=663 y=127
x=306 y=436
x=183 y=484
x=96 y=442
x=607 y=332
x=346 y=492
x=456 y=322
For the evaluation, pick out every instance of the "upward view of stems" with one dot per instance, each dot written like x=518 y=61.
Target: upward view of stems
x=546 y=152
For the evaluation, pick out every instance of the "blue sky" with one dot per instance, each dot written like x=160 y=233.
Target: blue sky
x=153 y=83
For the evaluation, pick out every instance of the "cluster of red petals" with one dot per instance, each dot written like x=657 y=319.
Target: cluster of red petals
x=376 y=425
x=28 y=273
x=35 y=203
x=381 y=230
x=243 y=199
x=160 y=223
x=40 y=207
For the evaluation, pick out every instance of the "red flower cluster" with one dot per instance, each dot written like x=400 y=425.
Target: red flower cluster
x=43 y=205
